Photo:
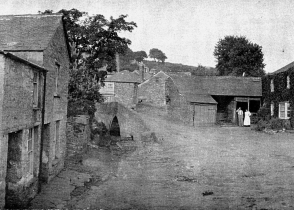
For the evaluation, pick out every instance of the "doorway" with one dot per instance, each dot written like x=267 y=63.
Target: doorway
x=114 y=127
x=243 y=105
x=14 y=170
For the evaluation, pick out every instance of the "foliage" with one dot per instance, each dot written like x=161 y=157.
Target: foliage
x=281 y=93
x=276 y=124
x=157 y=54
x=262 y=124
x=236 y=55
x=94 y=42
x=140 y=56
x=264 y=113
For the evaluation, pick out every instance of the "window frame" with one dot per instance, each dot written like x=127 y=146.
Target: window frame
x=56 y=142
x=272 y=108
x=57 y=74
x=272 y=85
x=287 y=110
x=288 y=85
x=30 y=150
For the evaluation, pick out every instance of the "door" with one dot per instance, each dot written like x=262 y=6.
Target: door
x=204 y=114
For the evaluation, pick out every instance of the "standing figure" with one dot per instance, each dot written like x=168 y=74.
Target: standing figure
x=247 y=118
x=240 y=116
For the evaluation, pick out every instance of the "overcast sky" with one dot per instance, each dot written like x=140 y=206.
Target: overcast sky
x=188 y=30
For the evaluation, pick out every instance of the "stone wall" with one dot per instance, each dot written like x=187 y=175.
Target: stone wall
x=172 y=92
x=126 y=93
x=78 y=135
x=153 y=91
x=55 y=55
x=182 y=112
x=18 y=116
x=130 y=123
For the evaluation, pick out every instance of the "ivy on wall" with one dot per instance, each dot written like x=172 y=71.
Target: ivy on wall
x=281 y=93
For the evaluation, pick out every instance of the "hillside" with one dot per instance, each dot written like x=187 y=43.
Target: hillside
x=176 y=67
x=128 y=62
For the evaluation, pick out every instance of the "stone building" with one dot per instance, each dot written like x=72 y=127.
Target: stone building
x=278 y=93
x=34 y=60
x=121 y=87
x=159 y=90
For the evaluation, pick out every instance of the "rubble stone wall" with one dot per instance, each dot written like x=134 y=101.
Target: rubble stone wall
x=78 y=134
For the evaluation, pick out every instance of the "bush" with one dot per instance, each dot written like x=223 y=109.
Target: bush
x=262 y=124
x=264 y=113
x=277 y=124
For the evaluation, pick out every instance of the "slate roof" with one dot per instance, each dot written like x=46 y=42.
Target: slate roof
x=27 y=32
x=218 y=85
x=283 y=69
x=199 y=98
x=124 y=77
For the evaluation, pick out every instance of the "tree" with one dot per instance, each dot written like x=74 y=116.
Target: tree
x=157 y=54
x=94 y=41
x=140 y=56
x=237 y=56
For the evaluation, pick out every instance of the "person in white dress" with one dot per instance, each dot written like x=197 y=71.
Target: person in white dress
x=247 y=118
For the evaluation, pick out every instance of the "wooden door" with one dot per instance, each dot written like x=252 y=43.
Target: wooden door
x=204 y=115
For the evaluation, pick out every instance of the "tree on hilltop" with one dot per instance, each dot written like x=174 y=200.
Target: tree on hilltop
x=157 y=54
x=237 y=56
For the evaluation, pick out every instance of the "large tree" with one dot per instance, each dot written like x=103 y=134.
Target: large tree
x=140 y=56
x=94 y=42
x=157 y=54
x=238 y=56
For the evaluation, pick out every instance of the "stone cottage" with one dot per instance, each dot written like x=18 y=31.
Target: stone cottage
x=159 y=90
x=278 y=93
x=121 y=87
x=34 y=63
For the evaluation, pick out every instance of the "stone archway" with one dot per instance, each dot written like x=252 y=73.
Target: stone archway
x=114 y=129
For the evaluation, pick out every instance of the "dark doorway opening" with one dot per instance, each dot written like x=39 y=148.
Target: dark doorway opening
x=243 y=105
x=254 y=106
x=114 y=128
x=12 y=197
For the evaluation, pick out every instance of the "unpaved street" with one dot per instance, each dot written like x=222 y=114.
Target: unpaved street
x=190 y=168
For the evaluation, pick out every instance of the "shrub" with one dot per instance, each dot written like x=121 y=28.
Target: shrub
x=262 y=124
x=264 y=113
x=277 y=124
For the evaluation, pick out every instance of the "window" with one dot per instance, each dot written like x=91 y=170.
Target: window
x=57 y=72
x=272 y=109
x=284 y=110
x=36 y=89
x=288 y=82
x=32 y=138
x=56 y=145
x=272 y=86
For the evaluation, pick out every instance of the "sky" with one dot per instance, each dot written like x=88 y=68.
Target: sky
x=187 y=31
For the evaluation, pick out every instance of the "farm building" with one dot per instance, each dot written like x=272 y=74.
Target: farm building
x=278 y=93
x=227 y=91
x=34 y=63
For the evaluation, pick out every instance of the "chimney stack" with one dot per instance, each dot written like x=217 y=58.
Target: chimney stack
x=117 y=62
x=141 y=68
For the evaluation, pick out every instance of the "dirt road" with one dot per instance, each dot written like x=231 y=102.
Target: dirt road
x=192 y=168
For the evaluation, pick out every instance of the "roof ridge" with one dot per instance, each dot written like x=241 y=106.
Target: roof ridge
x=33 y=15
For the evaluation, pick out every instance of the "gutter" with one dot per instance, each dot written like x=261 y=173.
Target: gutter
x=42 y=134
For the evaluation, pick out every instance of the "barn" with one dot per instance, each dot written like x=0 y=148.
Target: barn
x=196 y=108
x=228 y=93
